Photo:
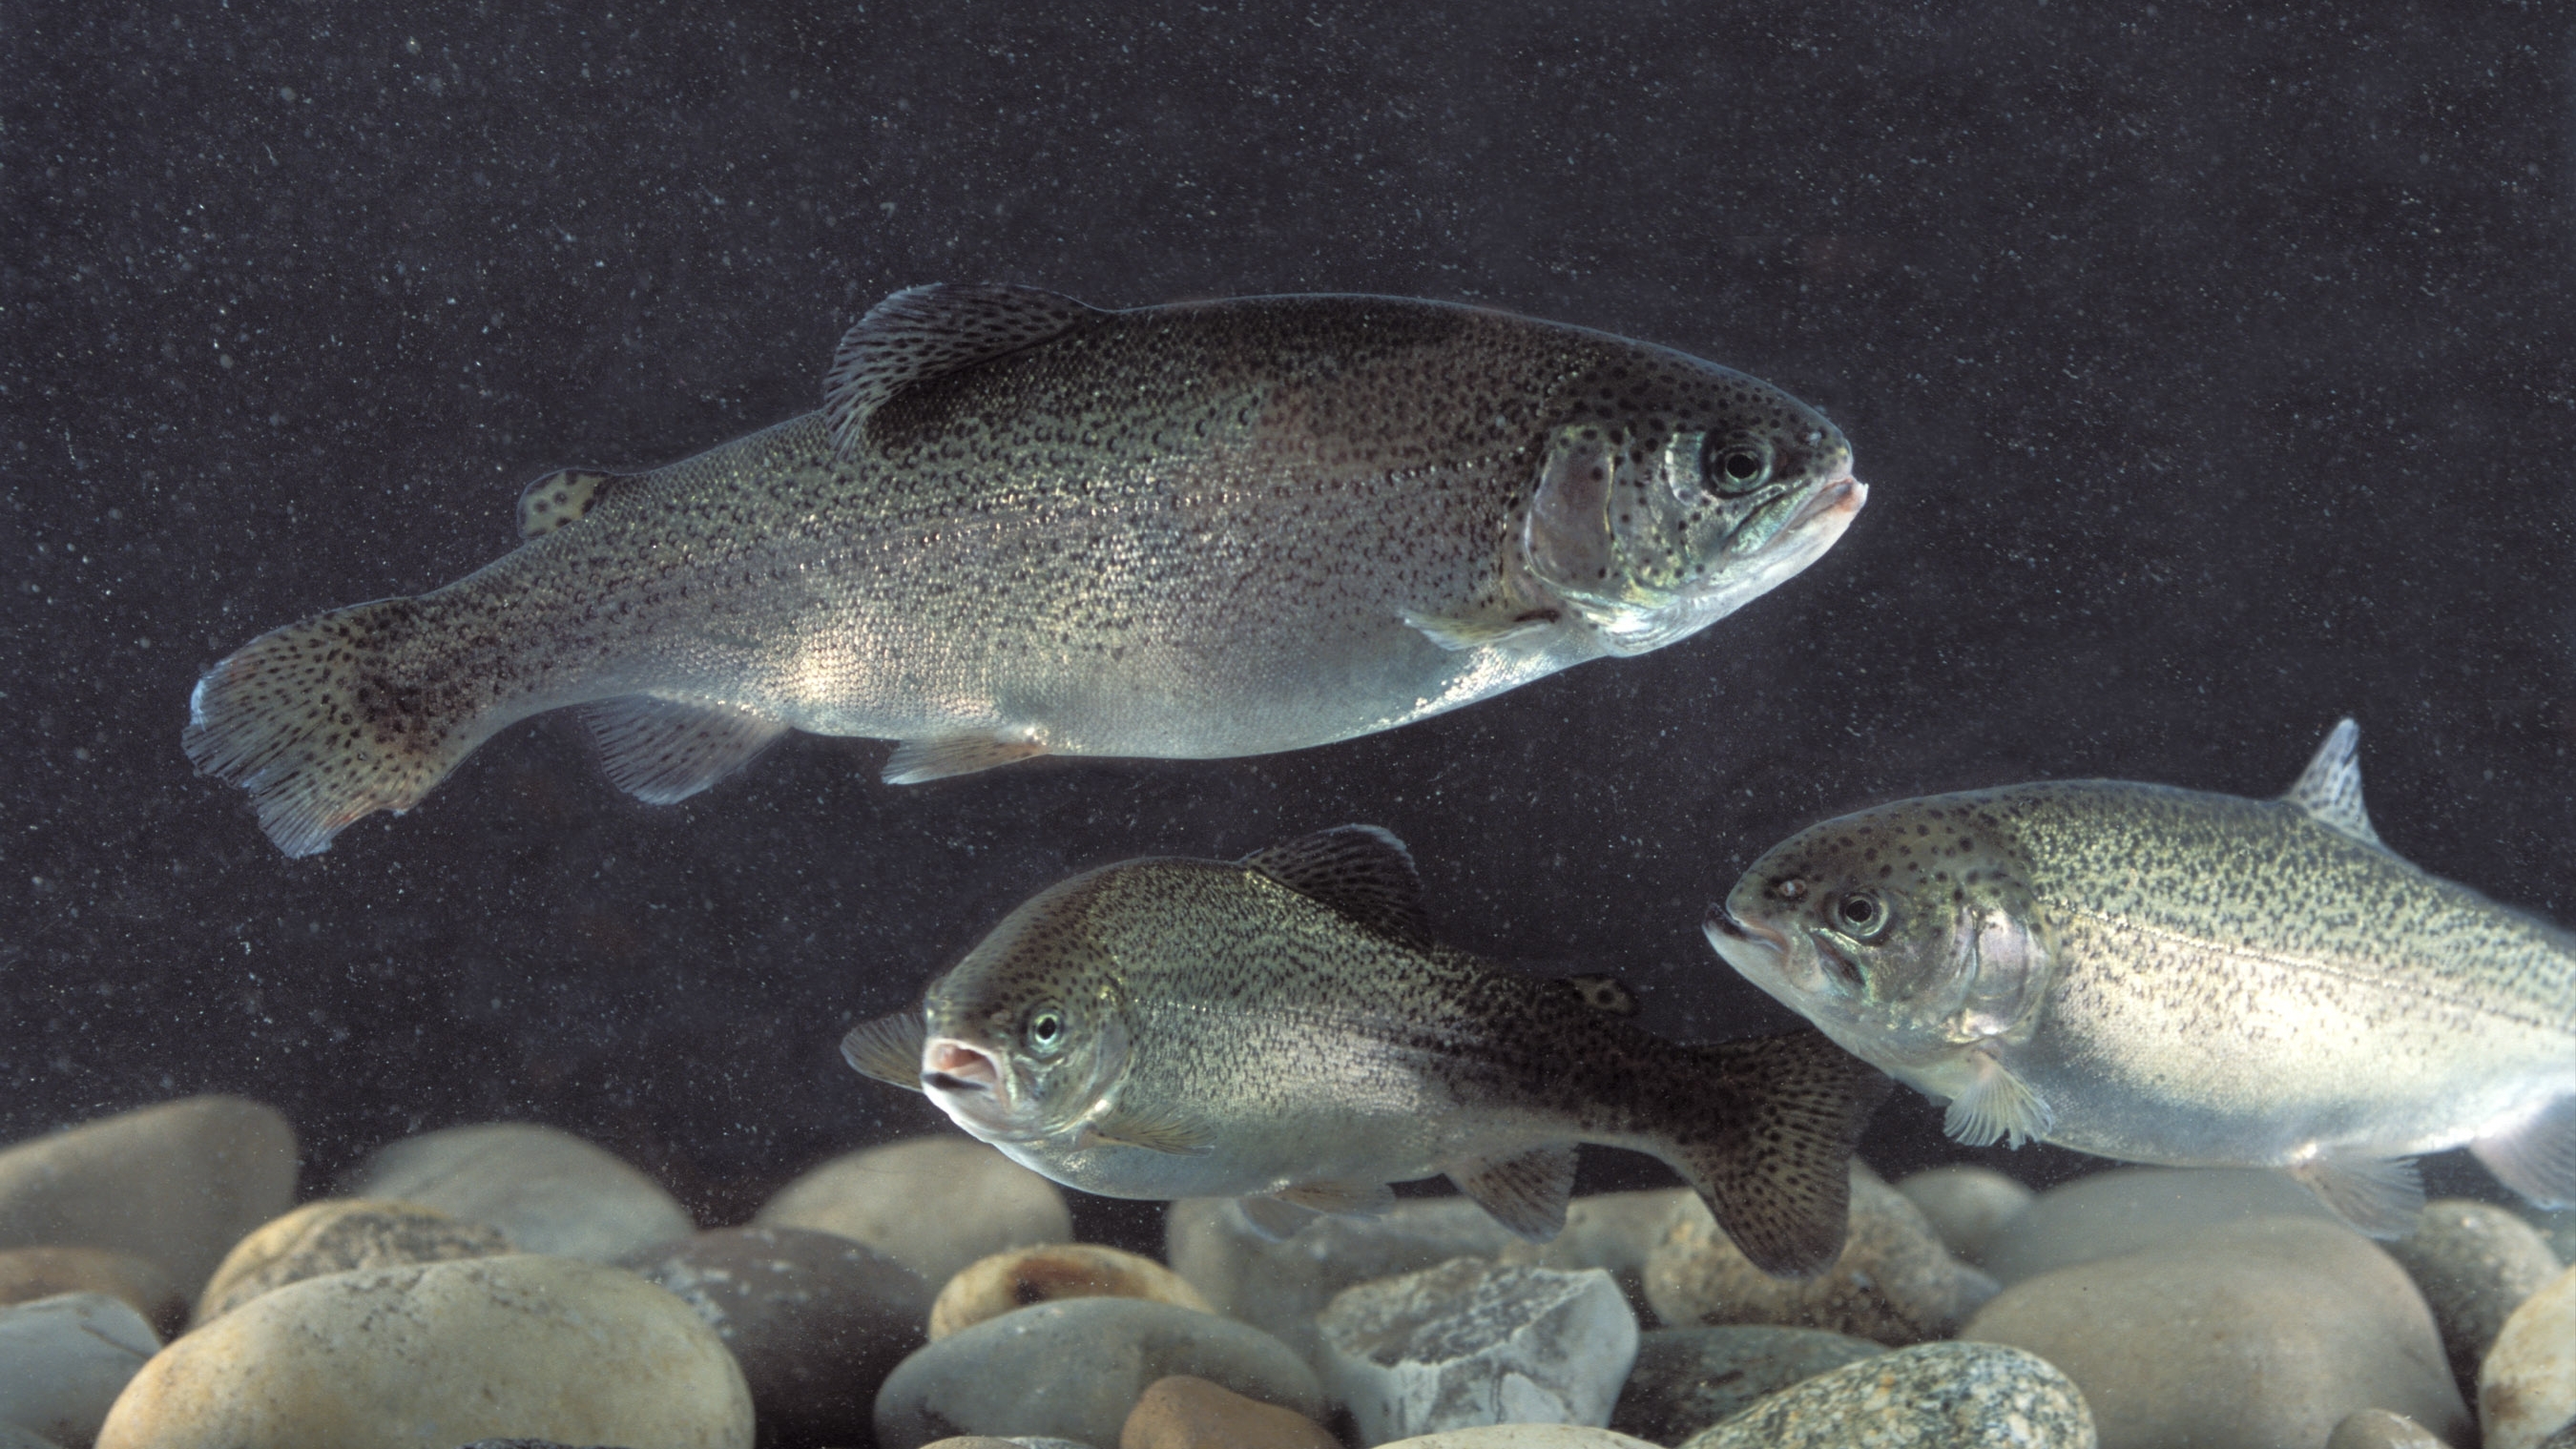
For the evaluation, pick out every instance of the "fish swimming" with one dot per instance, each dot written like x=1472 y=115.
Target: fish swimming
x=1281 y=1029
x=1023 y=526
x=2166 y=976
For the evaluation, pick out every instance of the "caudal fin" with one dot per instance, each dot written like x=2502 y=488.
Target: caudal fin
x=312 y=721
x=1767 y=1138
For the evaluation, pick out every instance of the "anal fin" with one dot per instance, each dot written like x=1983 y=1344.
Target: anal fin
x=1360 y=1199
x=1997 y=1107
x=662 y=751
x=2379 y=1195
x=2536 y=1157
x=1526 y=1192
x=915 y=761
x=888 y=1049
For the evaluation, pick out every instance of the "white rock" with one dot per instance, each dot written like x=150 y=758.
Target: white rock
x=2128 y=1208
x=64 y=1359
x=176 y=1183
x=550 y=1191
x=1279 y=1286
x=2527 y=1389
x=933 y=1204
x=1472 y=1343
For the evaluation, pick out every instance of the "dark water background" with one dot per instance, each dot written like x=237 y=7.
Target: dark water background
x=2211 y=368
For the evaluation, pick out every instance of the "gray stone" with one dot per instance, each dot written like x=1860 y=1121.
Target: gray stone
x=987 y=1441
x=1279 y=1286
x=2380 y=1429
x=1472 y=1342
x=1932 y=1396
x=63 y=1361
x=1525 y=1436
x=550 y=1191
x=933 y=1204
x=2249 y=1335
x=336 y=1235
x=816 y=1321
x=176 y=1183
x=1687 y=1379
x=1894 y=1282
x=1614 y=1231
x=2128 y=1208
x=1966 y=1204
x=2474 y=1263
x=1075 y=1367
x=2527 y=1388
x=2557 y=1227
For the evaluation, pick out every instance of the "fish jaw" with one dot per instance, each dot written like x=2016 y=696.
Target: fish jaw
x=972 y=1084
x=1756 y=561
x=1789 y=966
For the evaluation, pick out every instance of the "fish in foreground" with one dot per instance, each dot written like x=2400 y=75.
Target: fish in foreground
x=1023 y=526
x=1281 y=1029
x=2167 y=976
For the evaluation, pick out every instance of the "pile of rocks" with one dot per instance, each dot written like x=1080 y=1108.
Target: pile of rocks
x=508 y=1284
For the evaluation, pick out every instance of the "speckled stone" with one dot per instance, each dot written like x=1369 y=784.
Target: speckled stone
x=1966 y=1204
x=64 y=1359
x=2527 y=1389
x=2474 y=1263
x=1472 y=1342
x=434 y=1354
x=1932 y=1396
x=336 y=1235
x=1181 y=1412
x=933 y=1204
x=177 y=1183
x=2380 y=1429
x=2250 y=1335
x=1279 y=1286
x=816 y=1321
x=1525 y=1436
x=1016 y=1279
x=1689 y=1378
x=1894 y=1282
x=1075 y=1368
x=1613 y=1231
x=27 y=1274
x=2128 y=1208
x=550 y=1191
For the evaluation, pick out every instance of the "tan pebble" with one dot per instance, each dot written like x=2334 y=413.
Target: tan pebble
x=2527 y=1389
x=1023 y=1276
x=2381 y=1429
x=27 y=1274
x=971 y=1441
x=1181 y=1412
x=933 y=1204
x=551 y=1191
x=178 y=1183
x=336 y=1235
x=1525 y=1436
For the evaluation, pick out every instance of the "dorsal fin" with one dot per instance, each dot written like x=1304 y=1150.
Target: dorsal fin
x=2330 y=788
x=924 y=331
x=1599 y=992
x=563 y=496
x=1362 y=871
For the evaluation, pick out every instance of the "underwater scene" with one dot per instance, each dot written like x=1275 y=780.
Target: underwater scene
x=1520 y=726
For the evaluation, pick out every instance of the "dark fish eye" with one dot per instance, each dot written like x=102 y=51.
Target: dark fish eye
x=1735 y=465
x=1046 y=1027
x=1861 y=913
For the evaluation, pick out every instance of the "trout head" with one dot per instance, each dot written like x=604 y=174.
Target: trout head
x=1687 y=492
x=1026 y=1038
x=1909 y=934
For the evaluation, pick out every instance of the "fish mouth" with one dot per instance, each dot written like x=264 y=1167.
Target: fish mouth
x=1724 y=930
x=951 y=1066
x=1845 y=495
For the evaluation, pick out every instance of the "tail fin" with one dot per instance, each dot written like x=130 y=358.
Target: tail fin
x=310 y=720
x=1769 y=1147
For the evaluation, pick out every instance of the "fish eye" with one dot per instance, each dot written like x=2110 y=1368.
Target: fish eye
x=1861 y=914
x=1046 y=1029
x=1734 y=465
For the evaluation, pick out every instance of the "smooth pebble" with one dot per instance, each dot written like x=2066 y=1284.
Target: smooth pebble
x=987 y=1441
x=64 y=1360
x=1689 y=1378
x=1020 y=1277
x=2380 y=1429
x=933 y=1204
x=2474 y=1263
x=816 y=1321
x=1525 y=1436
x=433 y=1355
x=2127 y=1208
x=1280 y=1285
x=1473 y=1342
x=2527 y=1389
x=335 y=1235
x=1966 y=1204
x=27 y=1274
x=1931 y=1396
x=1615 y=1231
x=177 y=1183
x=1893 y=1284
x=550 y=1191
x=1181 y=1412
x=2249 y=1335
x=1075 y=1368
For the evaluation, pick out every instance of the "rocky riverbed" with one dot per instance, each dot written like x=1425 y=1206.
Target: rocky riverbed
x=159 y=1286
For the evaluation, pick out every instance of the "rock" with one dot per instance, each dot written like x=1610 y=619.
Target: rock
x=2557 y=1227
x=987 y=1441
x=64 y=1359
x=933 y=1204
x=1615 y=1231
x=2128 y=1208
x=1472 y=1342
x=1894 y=1283
x=1280 y=1286
x=27 y=1274
x=439 y=1354
x=1689 y=1378
x=1932 y=1396
x=1075 y=1368
x=13 y=1437
x=2255 y=1333
x=1015 y=1279
x=2527 y=1389
x=176 y=1183
x=1524 y=1436
x=550 y=1191
x=1966 y=1204
x=336 y=1235
x=2474 y=1263
x=2380 y=1429
x=1186 y=1413
x=816 y=1321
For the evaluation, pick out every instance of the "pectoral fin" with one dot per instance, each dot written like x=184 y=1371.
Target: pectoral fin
x=915 y=761
x=1997 y=1107
x=1526 y=1192
x=1460 y=632
x=888 y=1049
x=1273 y=1219
x=1360 y=1199
x=2379 y=1195
x=2536 y=1158
x=1150 y=1131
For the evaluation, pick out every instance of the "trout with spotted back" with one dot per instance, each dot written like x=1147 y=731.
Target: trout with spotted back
x=2168 y=976
x=1023 y=526
x=1281 y=1029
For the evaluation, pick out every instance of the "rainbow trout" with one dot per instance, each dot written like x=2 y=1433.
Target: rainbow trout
x=1282 y=1029
x=1022 y=526
x=2166 y=976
